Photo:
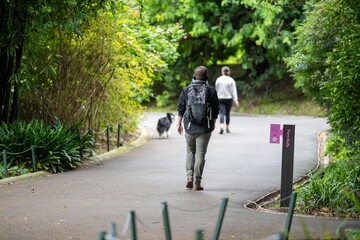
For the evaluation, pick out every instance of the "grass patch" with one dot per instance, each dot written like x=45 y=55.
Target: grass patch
x=289 y=102
x=172 y=107
x=281 y=103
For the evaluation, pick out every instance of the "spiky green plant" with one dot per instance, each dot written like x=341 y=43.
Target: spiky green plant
x=58 y=148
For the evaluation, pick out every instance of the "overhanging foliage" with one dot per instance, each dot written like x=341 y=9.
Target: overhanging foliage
x=257 y=35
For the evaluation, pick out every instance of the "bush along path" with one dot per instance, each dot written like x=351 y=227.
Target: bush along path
x=34 y=146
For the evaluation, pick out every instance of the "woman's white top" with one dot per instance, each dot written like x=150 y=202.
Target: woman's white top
x=226 y=88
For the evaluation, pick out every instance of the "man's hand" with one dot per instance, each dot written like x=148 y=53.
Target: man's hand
x=180 y=129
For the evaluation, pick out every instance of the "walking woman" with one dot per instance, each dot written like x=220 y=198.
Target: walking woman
x=227 y=94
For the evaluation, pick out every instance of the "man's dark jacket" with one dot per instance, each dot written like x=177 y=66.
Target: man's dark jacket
x=212 y=99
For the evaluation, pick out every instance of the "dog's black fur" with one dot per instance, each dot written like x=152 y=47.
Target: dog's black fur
x=164 y=124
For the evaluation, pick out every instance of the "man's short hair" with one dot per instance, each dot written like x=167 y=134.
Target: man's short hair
x=200 y=73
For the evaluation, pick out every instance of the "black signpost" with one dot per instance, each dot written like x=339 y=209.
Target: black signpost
x=287 y=166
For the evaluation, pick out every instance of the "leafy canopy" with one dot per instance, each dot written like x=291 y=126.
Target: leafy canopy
x=255 y=34
x=326 y=62
x=326 y=67
x=103 y=77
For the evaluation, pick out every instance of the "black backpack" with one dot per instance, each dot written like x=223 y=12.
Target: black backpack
x=198 y=110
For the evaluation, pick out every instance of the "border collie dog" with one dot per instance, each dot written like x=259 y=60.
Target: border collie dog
x=164 y=124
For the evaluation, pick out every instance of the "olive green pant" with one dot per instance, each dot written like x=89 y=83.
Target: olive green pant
x=196 y=148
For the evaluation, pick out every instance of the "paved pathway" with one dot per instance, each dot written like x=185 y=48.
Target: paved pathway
x=241 y=166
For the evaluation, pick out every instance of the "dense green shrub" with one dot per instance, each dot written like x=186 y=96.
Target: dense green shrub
x=337 y=187
x=101 y=78
x=253 y=35
x=58 y=148
x=326 y=65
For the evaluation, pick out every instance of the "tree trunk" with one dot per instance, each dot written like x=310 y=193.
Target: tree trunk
x=5 y=73
x=12 y=29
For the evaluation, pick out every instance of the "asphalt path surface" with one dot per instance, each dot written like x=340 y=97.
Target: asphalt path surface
x=241 y=166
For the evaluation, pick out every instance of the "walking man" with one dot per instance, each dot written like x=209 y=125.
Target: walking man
x=198 y=108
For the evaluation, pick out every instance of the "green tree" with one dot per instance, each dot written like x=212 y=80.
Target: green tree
x=101 y=78
x=255 y=34
x=18 y=21
x=326 y=65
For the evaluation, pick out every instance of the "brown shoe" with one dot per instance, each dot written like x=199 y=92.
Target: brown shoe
x=189 y=183
x=198 y=188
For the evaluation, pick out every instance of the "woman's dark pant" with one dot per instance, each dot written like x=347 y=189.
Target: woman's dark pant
x=225 y=107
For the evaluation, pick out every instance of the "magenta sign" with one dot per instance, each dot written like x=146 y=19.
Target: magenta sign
x=275 y=133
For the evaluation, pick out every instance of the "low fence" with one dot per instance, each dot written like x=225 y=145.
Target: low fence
x=33 y=157
x=107 y=131
x=199 y=233
x=131 y=225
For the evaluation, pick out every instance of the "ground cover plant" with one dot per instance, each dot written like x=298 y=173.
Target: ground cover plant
x=335 y=189
x=58 y=148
